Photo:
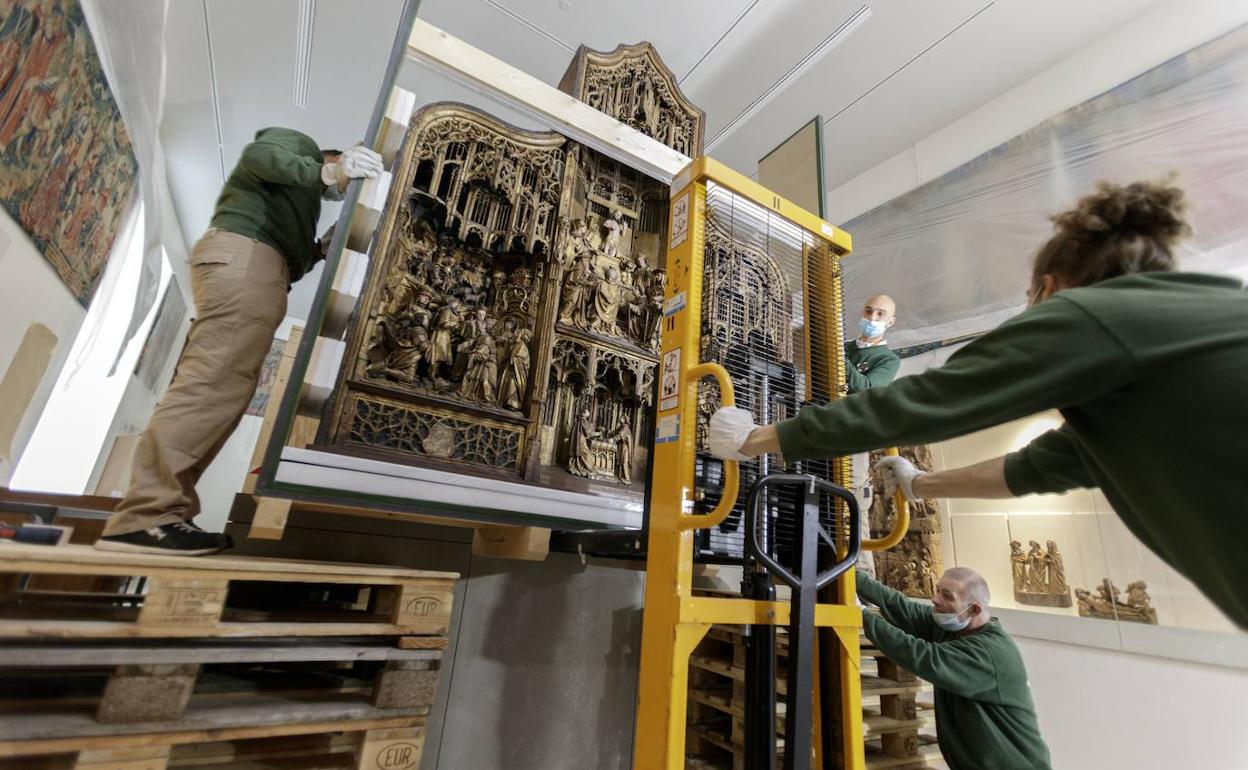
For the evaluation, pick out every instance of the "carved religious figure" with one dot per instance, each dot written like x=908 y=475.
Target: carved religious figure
x=608 y=296
x=616 y=228
x=481 y=370
x=1057 y=570
x=515 y=374
x=1036 y=569
x=442 y=342
x=398 y=346
x=1018 y=566
x=580 y=461
x=1107 y=605
x=577 y=284
x=1039 y=576
x=623 y=436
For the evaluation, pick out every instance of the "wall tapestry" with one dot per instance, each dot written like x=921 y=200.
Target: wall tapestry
x=67 y=170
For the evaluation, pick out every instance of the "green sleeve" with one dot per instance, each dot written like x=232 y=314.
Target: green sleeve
x=960 y=665
x=914 y=617
x=276 y=163
x=880 y=375
x=1050 y=463
x=1051 y=355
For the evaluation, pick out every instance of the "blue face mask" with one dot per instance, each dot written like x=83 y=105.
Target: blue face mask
x=952 y=622
x=872 y=329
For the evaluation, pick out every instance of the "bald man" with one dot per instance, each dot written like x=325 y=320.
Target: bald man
x=871 y=363
x=985 y=719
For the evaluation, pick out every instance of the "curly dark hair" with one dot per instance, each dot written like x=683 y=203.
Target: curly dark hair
x=1117 y=230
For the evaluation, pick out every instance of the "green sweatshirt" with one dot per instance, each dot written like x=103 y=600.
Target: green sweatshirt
x=274 y=196
x=872 y=367
x=985 y=719
x=1151 y=373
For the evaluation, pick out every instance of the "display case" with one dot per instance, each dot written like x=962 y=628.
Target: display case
x=1069 y=556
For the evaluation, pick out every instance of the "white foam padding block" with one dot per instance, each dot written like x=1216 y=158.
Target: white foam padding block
x=368 y=210
x=318 y=382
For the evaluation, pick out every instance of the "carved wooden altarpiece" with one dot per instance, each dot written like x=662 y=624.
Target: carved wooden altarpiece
x=509 y=324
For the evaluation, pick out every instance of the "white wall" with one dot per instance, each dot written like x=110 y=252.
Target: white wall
x=1103 y=710
x=31 y=293
x=1135 y=48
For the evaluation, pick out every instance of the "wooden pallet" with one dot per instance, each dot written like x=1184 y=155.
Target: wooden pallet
x=893 y=717
x=143 y=682
x=216 y=734
x=221 y=596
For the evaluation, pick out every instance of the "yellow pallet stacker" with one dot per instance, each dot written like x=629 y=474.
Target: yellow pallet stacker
x=752 y=317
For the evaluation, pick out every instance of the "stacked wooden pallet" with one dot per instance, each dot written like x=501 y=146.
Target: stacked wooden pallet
x=215 y=662
x=896 y=724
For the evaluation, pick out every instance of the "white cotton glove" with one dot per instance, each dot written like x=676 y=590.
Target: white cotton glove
x=354 y=163
x=729 y=428
x=899 y=472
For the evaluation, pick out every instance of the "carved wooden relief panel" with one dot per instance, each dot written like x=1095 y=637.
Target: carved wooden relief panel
x=632 y=85
x=510 y=321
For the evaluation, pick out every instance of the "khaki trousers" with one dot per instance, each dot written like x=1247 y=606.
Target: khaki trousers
x=240 y=288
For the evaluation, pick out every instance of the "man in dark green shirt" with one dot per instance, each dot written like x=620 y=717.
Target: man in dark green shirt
x=1148 y=367
x=985 y=719
x=870 y=364
x=262 y=239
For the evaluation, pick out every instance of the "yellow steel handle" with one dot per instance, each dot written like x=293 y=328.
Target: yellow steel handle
x=732 y=476
x=900 y=526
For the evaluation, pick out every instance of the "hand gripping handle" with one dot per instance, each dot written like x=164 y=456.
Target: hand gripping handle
x=900 y=526
x=731 y=487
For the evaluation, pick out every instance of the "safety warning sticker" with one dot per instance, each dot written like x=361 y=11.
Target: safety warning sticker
x=667 y=429
x=680 y=220
x=669 y=381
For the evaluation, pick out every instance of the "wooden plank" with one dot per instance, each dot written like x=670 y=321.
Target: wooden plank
x=878 y=760
x=269 y=520
x=521 y=543
x=97 y=629
x=80 y=559
x=398 y=749
x=422 y=642
x=567 y=115
x=183 y=602
x=141 y=758
x=52 y=655
x=424 y=606
x=205 y=719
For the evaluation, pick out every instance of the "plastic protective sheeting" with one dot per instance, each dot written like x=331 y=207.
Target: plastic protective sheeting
x=956 y=253
x=130 y=38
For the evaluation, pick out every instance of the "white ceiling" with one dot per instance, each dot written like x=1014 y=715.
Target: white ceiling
x=911 y=68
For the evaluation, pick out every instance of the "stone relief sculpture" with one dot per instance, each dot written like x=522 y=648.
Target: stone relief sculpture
x=510 y=321
x=1106 y=604
x=1039 y=575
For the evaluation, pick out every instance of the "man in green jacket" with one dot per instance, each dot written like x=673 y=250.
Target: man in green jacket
x=1148 y=367
x=262 y=239
x=985 y=719
x=869 y=364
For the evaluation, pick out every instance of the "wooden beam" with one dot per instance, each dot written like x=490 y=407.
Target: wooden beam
x=542 y=102
x=523 y=543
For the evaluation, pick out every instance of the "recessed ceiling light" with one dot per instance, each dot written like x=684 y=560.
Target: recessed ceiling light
x=303 y=52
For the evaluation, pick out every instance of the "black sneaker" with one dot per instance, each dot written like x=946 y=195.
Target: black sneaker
x=177 y=539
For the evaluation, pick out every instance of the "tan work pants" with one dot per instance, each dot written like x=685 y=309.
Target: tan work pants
x=240 y=298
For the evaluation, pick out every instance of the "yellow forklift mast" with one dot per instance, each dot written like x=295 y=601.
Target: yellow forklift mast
x=752 y=317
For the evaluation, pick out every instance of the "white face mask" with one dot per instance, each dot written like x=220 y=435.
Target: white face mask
x=951 y=621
